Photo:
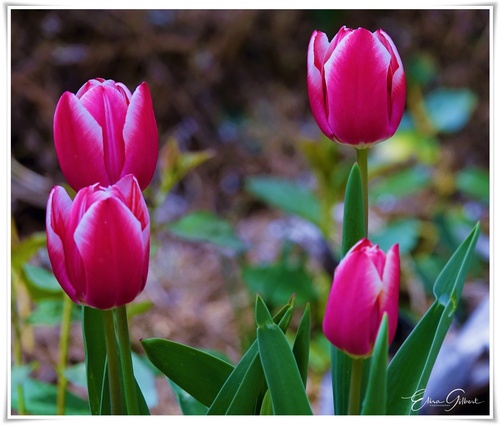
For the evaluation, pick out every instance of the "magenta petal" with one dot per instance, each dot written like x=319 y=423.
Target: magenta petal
x=129 y=191
x=389 y=298
x=58 y=207
x=108 y=106
x=140 y=135
x=352 y=304
x=357 y=73
x=78 y=143
x=315 y=82
x=110 y=242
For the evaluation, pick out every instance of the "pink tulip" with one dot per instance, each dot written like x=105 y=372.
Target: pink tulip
x=98 y=244
x=104 y=133
x=356 y=85
x=365 y=285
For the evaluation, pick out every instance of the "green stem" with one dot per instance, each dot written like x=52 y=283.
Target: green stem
x=113 y=363
x=362 y=159
x=126 y=361
x=355 y=388
x=62 y=381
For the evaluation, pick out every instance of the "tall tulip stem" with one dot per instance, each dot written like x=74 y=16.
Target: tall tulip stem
x=355 y=389
x=126 y=360
x=113 y=363
x=362 y=159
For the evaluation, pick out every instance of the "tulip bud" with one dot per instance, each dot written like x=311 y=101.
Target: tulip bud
x=98 y=244
x=356 y=86
x=365 y=286
x=104 y=133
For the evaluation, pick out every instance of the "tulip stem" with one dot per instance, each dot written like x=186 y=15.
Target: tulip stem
x=362 y=159
x=113 y=363
x=355 y=388
x=126 y=361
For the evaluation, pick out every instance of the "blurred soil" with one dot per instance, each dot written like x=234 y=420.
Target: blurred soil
x=234 y=82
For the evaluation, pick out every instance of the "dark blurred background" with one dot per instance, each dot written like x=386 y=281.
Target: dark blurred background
x=233 y=83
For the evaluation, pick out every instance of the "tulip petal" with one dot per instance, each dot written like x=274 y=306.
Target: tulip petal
x=389 y=297
x=352 y=304
x=357 y=73
x=140 y=135
x=108 y=106
x=78 y=142
x=397 y=83
x=110 y=242
x=127 y=188
x=58 y=208
x=315 y=81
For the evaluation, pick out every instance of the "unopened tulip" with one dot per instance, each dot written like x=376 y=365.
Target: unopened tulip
x=104 y=132
x=98 y=244
x=365 y=286
x=356 y=85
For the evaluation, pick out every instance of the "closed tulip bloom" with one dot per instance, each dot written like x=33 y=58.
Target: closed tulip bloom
x=98 y=244
x=356 y=85
x=104 y=132
x=365 y=286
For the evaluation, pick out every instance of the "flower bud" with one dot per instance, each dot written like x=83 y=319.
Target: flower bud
x=356 y=85
x=98 y=244
x=104 y=132
x=365 y=286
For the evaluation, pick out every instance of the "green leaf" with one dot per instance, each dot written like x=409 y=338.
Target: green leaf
x=200 y=374
x=40 y=399
x=49 y=312
x=277 y=282
x=188 y=404
x=204 y=226
x=301 y=345
x=450 y=109
x=475 y=183
x=404 y=232
x=145 y=380
x=280 y=369
x=403 y=183
x=267 y=405
x=95 y=360
x=353 y=228
x=375 y=400
x=23 y=251
x=411 y=367
x=286 y=195
x=244 y=388
x=41 y=283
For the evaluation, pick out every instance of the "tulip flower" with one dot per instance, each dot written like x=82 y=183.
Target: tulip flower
x=104 y=132
x=365 y=286
x=98 y=244
x=356 y=85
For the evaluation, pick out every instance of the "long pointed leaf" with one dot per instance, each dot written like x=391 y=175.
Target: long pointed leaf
x=199 y=373
x=353 y=229
x=301 y=345
x=95 y=360
x=375 y=400
x=280 y=368
x=241 y=392
x=411 y=367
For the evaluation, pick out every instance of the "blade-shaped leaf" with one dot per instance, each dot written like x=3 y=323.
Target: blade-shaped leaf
x=188 y=404
x=422 y=346
x=242 y=391
x=286 y=195
x=301 y=345
x=197 y=372
x=375 y=400
x=353 y=229
x=95 y=359
x=280 y=368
